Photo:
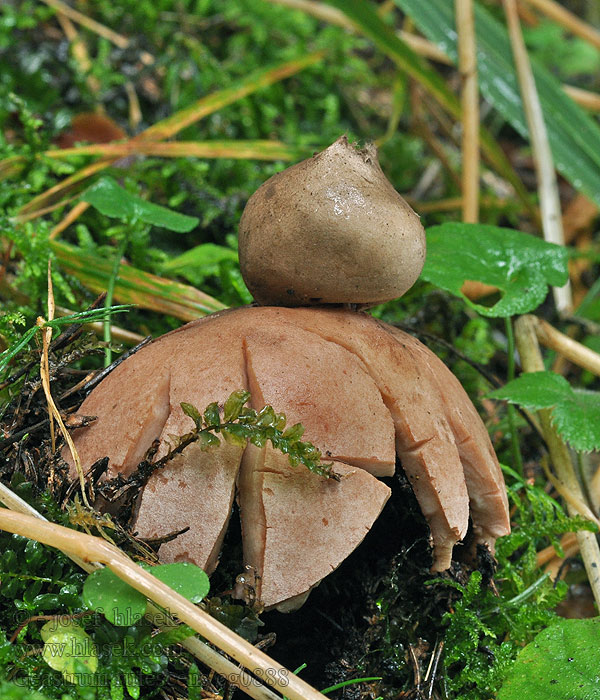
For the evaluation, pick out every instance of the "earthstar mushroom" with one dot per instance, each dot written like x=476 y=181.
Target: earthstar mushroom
x=365 y=392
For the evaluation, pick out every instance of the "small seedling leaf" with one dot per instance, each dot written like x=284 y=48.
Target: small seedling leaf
x=211 y=415
x=187 y=579
x=193 y=413
x=234 y=404
x=294 y=433
x=105 y=592
x=235 y=435
x=575 y=412
x=558 y=664
x=194 y=683
x=110 y=199
x=267 y=417
x=518 y=264
x=207 y=440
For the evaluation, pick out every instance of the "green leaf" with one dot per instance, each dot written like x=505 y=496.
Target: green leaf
x=200 y=262
x=187 y=579
x=560 y=663
x=194 y=683
x=207 y=440
x=66 y=645
x=534 y=390
x=267 y=417
x=60 y=625
x=212 y=415
x=294 y=433
x=519 y=264
x=575 y=412
x=193 y=413
x=236 y=434
x=105 y=592
x=116 y=688
x=110 y=199
x=233 y=405
x=573 y=135
x=133 y=685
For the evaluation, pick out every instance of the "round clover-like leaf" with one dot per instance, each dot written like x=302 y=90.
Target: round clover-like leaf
x=186 y=579
x=558 y=664
x=121 y=604
x=67 y=649
x=518 y=264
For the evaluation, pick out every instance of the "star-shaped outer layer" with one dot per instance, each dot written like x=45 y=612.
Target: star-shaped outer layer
x=364 y=392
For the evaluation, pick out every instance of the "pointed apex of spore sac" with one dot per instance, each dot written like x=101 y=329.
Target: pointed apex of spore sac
x=330 y=230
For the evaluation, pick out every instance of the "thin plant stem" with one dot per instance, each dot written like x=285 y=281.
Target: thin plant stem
x=467 y=64
x=202 y=651
x=96 y=549
x=510 y=409
x=105 y=32
x=568 y=20
x=547 y=184
x=570 y=349
x=531 y=361
x=528 y=592
x=110 y=291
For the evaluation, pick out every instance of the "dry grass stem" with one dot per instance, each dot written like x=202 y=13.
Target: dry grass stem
x=114 y=37
x=36 y=205
x=22 y=218
x=567 y=542
x=532 y=361
x=95 y=549
x=135 y=110
x=207 y=655
x=72 y=216
x=332 y=15
x=573 y=351
x=584 y=98
x=53 y=412
x=45 y=359
x=577 y=504
x=542 y=154
x=467 y=65
x=80 y=52
x=260 y=150
x=568 y=20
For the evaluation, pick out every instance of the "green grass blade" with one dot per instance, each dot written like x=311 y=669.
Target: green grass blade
x=211 y=103
x=365 y=18
x=134 y=286
x=180 y=120
x=574 y=137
